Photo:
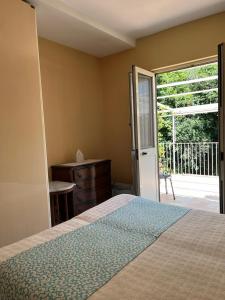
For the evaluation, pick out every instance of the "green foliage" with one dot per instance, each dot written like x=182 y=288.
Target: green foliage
x=197 y=128
x=190 y=128
x=165 y=128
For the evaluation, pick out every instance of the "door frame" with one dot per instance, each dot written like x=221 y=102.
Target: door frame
x=155 y=72
x=195 y=63
x=221 y=116
x=187 y=64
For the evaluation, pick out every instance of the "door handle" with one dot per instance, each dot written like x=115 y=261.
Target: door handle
x=144 y=153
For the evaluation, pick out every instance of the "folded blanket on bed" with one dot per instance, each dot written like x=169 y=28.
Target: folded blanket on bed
x=76 y=264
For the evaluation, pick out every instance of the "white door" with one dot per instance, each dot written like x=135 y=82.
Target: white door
x=144 y=133
x=221 y=94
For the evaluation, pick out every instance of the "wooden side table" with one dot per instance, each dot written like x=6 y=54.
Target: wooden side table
x=61 y=201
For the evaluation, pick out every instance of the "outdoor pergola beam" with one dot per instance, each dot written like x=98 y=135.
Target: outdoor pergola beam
x=191 y=110
x=188 y=93
x=215 y=77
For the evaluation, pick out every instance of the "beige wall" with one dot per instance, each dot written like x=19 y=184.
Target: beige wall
x=190 y=41
x=86 y=106
x=73 y=107
x=23 y=180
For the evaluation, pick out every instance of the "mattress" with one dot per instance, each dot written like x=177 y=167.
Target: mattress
x=186 y=262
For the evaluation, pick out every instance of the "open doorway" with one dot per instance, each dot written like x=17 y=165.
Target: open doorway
x=187 y=110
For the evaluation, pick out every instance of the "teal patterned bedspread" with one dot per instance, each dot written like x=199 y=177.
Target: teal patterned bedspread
x=76 y=264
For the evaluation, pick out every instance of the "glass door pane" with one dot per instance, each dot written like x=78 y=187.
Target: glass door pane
x=145 y=112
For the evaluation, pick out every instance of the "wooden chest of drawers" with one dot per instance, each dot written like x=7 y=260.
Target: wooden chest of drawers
x=92 y=178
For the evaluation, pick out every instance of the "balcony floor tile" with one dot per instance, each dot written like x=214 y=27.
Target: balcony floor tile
x=193 y=191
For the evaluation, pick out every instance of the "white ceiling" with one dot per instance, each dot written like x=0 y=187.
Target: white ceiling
x=103 y=27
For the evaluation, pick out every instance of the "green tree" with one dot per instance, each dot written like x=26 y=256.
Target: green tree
x=190 y=128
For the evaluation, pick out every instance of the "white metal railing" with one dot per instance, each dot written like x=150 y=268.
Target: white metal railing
x=189 y=158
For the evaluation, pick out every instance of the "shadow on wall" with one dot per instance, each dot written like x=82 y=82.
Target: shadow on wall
x=122 y=188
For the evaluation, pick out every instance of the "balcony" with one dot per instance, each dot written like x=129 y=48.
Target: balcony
x=194 y=171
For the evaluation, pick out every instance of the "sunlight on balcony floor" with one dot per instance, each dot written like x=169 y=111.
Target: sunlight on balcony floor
x=193 y=191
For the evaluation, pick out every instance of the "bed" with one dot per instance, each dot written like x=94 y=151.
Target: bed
x=186 y=260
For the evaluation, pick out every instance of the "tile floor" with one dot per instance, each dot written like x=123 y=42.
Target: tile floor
x=193 y=191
